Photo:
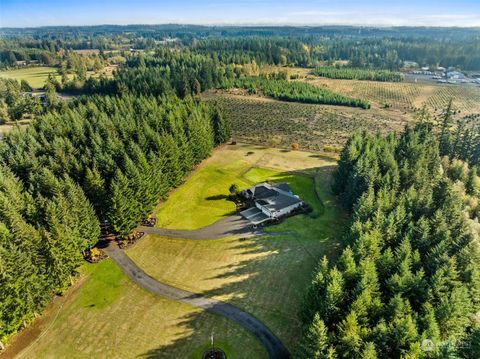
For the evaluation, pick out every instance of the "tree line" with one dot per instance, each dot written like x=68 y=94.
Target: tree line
x=186 y=73
x=295 y=91
x=350 y=73
x=285 y=46
x=167 y=72
x=102 y=159
x=408 y=283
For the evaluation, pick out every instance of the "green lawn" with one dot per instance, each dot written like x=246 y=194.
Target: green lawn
x=202 y=201
x=267 y=275
x=110 y=317
x=35 y=76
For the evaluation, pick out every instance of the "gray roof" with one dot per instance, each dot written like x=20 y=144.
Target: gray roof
x=262 y=191
x=283 y=186
x=279 y=202
x=274 y=197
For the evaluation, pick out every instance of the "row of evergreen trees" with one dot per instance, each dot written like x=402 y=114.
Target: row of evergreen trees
x=350 y=73
x=408 y=283
x=295 y=91
x=101 y=159
x=45 y=225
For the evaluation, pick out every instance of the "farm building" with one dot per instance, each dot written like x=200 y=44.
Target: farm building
x=270 y=202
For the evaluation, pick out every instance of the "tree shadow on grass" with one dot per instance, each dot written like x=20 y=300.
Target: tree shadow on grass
x=268 y=280
x=217 y=197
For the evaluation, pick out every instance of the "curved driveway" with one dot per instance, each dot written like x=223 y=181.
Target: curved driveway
x=234 y=225
x=274 y=346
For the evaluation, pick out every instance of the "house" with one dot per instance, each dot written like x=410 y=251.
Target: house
x=269 y=202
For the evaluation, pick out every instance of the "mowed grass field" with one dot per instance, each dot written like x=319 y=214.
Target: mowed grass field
x=35 y=76
x=267 y=275
x=110 y=317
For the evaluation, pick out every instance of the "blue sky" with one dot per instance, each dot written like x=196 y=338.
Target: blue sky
x=26 y=13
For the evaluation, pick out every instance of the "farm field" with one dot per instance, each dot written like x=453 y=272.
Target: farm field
x=109 y=316
x=35 y=76
x=314 y=127
x=406 y=96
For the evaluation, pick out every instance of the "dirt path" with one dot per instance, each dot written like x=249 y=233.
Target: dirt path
x=274 y=346
x=234 y=225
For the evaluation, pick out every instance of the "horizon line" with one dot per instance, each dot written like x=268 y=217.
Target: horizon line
x=242 y=24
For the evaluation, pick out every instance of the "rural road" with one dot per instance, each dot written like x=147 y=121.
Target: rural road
x=234 y=225
x=274 y=346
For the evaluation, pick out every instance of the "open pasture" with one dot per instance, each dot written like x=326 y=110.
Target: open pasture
x=35 y=76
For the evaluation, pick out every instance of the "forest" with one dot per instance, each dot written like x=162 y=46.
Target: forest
x=102 y=159
x=297 y=46
x=408 y=282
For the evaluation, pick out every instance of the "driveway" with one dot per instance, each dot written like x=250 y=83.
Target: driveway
x=234 y=225
x=273 y=345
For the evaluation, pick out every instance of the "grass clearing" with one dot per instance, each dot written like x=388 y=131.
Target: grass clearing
x=130 y=323
x=35 y=76
x=265 y=275
x=110 y=317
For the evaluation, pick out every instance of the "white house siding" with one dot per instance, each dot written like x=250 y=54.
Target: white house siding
x=287 y=210
x=280 y=213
